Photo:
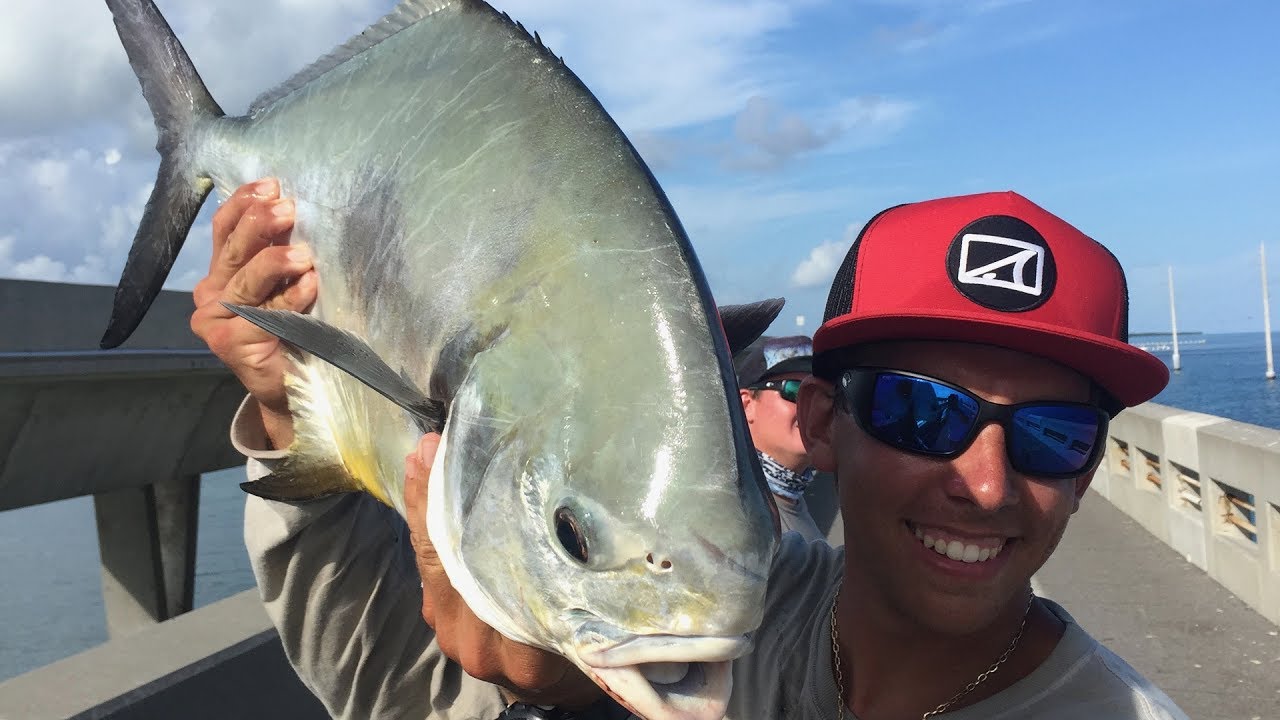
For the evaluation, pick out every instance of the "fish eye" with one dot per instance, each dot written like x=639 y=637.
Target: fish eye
x=570 y=535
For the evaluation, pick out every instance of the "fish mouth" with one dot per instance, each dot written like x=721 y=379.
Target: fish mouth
x=663 y=677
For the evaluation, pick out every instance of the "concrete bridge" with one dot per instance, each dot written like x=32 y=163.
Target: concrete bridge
x=1173 y=560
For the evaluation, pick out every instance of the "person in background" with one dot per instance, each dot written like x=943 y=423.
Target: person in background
x=769 y=375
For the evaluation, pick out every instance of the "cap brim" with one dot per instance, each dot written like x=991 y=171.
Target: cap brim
x=1131 y=375
x=745 y=323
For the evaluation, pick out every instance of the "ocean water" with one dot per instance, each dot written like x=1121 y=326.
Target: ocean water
x=56 y=610
x=1223 y=374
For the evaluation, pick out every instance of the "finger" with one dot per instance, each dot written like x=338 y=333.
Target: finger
x=417 y=472
x=415 y=502
x=230 y=212
x=263 y=224
x=265 y=273
x=298 y=295
x=222 y=329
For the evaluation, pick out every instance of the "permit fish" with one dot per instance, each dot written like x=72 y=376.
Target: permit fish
x=497 y=263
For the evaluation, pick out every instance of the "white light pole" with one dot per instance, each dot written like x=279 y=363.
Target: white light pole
x=1266 y=311
x=1173 y=320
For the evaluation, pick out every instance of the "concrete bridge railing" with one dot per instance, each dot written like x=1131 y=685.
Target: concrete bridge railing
x=1206 y=486
x=133 y=428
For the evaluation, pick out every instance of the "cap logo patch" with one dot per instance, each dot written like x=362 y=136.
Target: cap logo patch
x=1015 y=263
x=1002 y=263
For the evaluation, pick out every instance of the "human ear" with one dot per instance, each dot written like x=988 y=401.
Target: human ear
x=815 y=412
x=748 y=405
x=1082 y=484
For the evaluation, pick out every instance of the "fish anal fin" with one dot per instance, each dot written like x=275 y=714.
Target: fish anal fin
x=337 y=451
x=294 y=484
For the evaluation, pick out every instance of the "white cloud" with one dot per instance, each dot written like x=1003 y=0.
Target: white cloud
x=60 y=62
x=50 y=174
x=661 y=65
x=40 y=267
x=725 y=209
x=820 y=267
x=768 y=136
x=111 y=156
x=869 y=120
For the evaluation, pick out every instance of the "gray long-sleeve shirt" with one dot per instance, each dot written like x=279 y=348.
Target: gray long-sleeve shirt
x=339 y=582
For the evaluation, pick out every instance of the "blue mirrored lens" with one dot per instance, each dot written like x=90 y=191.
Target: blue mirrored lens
x=1052 y=439
x=916 y=414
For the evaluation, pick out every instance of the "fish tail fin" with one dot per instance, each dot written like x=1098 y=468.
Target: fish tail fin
x=178 y=100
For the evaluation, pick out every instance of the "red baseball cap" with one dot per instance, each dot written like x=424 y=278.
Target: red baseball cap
x=995 y=269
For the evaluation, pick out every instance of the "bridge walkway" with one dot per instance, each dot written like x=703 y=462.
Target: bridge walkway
x=1213 y=654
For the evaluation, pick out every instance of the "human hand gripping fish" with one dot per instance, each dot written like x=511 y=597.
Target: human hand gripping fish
x=254 y=264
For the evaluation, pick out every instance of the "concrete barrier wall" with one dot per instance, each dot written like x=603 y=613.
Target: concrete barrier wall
x=1206 y=486
x=221 y=661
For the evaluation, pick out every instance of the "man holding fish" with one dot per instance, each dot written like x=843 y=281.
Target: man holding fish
x=509 y=343
x=927 y=611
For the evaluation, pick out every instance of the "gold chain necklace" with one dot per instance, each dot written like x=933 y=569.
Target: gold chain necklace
x=835 y=661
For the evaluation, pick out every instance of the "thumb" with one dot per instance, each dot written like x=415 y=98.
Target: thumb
x=417 y=473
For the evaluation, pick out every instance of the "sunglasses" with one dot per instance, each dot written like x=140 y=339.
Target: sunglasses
x=788 y=389
x=926 y=416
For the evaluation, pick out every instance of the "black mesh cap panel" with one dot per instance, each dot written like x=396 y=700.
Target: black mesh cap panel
x=840 y=299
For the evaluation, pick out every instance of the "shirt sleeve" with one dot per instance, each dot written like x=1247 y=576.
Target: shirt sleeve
x=339 y=582
x=794 y=517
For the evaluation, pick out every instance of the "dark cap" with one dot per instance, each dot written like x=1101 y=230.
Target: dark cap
x=773 y=356
x=995 y=269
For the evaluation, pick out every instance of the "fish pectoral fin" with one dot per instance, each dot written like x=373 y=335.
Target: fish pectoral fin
x=350 y=354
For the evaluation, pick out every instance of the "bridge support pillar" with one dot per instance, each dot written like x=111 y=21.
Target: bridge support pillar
x=147 y=543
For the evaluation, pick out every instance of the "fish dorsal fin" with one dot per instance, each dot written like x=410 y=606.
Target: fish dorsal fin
x=404 y=15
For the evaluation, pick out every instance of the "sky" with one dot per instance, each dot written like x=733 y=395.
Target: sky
x=776 y=128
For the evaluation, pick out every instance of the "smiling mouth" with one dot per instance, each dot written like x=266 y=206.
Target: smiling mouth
x=967 y=550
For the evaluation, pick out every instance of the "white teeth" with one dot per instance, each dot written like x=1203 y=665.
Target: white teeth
x=956 y=550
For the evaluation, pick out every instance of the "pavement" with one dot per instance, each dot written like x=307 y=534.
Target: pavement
x=1214 y=655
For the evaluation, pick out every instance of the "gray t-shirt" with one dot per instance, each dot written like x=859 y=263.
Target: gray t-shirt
x=339 y=582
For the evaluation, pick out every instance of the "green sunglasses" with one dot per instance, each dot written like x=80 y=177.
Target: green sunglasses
x=788 y=389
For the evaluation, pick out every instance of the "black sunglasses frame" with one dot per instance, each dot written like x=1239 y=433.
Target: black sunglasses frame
x=857 y=386
x=781 y=386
